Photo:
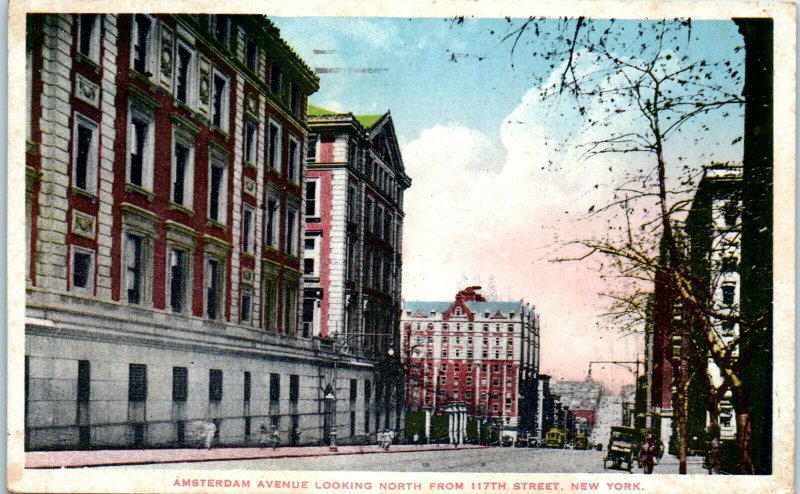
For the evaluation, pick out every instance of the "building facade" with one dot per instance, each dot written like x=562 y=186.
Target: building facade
x=165 y=188
x=481 y=353
x=713 y=228
x=355 y=183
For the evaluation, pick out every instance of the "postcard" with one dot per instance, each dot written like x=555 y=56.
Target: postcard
x=444 y=247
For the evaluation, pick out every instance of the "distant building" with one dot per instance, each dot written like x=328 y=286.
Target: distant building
x=352 y=266
x=481 y=353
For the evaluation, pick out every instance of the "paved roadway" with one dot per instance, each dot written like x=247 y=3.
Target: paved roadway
x=520 y=460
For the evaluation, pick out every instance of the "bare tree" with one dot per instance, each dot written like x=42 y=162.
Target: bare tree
x=637 y=86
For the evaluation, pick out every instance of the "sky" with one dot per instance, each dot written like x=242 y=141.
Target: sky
x=499 y=181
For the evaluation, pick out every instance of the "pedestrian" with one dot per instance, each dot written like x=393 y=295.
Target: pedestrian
x=386 y=439
x=275 y=438
x=713 y=467
x=209 y=430
x=264 y=433
x=647 y=454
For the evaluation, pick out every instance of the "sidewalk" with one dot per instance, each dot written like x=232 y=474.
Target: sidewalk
x=669 y=465
x=77 y=459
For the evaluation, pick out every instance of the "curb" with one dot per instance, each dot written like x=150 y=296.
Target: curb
x=238 y=458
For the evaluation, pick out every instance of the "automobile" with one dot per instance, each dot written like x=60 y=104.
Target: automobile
x=623 y=448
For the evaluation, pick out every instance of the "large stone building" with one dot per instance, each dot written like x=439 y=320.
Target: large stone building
x=164 y=208
x=353 y=244
x=484 y=354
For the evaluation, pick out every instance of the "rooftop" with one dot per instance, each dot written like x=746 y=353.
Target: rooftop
x=366 y=121
x=426 y=307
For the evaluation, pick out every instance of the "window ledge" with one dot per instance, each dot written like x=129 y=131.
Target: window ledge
x=32 y=148
x=84 y=193
x=219 y=131
x=83 y=58
x=216 y=224
x=249 y=164
x=270 y=248
x=248 y=255
x=174 y=206
x=313 y=219
x=184 y=106
x=135 y=189
x=144 y=77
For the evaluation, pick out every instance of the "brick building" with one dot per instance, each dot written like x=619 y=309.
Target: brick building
x=165 y=188
x=354 y=187
x=478 y=352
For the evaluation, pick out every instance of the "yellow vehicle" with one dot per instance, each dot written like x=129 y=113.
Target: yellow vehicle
x=581 y=442
x=555 y=438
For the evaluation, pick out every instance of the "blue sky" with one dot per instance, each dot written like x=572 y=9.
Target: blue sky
x=416 y=79
x=490 y=194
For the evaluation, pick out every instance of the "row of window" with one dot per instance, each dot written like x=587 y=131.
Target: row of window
x=474 y=367
x=470 y=341
x=147 y=59
x=379 y=271
x=468 y=381
x=222 y=26
x=138 y=384
x=384 y=180
x=140 y=175
x=382 y=224
x=138 y=282
x=498 y=354
x=458 y=326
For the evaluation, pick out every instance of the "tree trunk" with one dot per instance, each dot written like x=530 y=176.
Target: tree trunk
x=744 y=431
x=683 y=412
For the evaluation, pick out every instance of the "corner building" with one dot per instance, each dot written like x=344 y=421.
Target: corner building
x=484 y=354
x=355 y=184
x=164 y=193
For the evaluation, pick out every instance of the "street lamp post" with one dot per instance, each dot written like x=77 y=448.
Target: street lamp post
x=330 y=397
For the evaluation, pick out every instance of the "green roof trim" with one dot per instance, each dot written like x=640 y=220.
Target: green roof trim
x=316 y=111
x=367 y=121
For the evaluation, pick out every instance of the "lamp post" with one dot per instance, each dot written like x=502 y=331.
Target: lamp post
x=330 y=397
x=624 y=364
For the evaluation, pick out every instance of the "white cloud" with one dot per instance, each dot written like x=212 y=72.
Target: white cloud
x=500 y=208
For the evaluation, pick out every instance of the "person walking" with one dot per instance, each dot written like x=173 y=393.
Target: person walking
x=386 y=439
x=275 y=438
x=714 y=446
x=647 y=454
x=209 y=430
x=264 y=433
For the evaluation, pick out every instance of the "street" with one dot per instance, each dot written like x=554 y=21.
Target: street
x=519 y=460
